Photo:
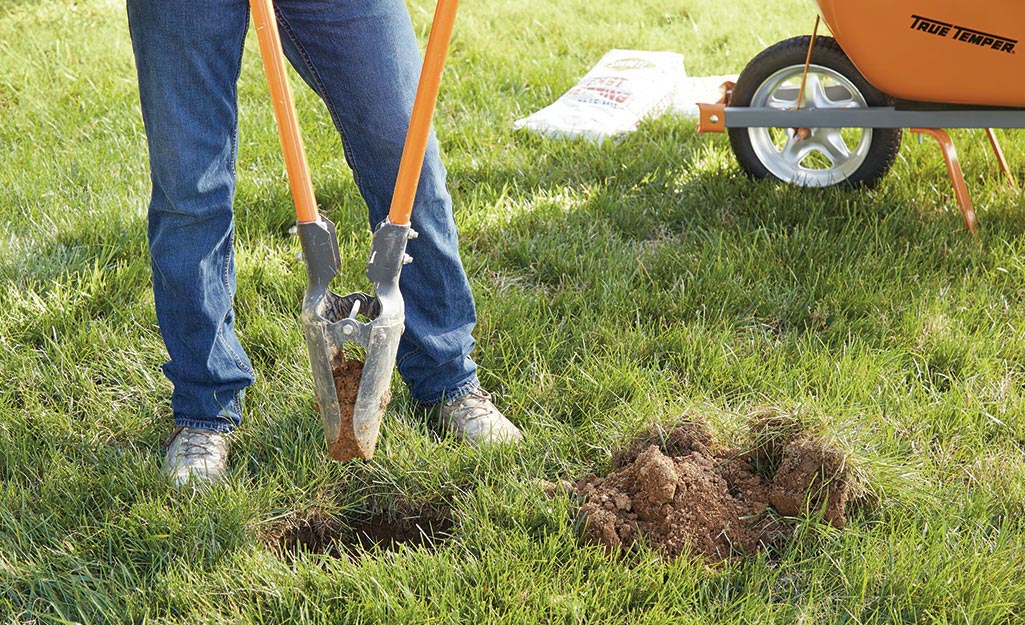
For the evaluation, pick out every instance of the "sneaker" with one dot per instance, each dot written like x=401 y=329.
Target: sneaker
x=195 y=454
x=475 y=419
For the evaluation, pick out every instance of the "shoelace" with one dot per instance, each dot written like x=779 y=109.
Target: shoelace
x=193 y=444
x=474 y=405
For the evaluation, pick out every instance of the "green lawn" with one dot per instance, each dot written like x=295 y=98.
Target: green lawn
x=618 y=285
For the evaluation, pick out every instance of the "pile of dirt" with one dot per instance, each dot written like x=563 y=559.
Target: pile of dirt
x=680 y=493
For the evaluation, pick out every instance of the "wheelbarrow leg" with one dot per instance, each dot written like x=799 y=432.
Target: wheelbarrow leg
x=964 y=201
x=1000 y=158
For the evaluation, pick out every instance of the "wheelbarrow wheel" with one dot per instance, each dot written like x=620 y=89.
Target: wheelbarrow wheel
x=811 y=157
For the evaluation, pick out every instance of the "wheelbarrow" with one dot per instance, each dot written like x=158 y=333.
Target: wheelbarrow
x=820 y=111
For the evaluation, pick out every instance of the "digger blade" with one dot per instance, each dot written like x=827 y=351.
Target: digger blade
x=352 y=396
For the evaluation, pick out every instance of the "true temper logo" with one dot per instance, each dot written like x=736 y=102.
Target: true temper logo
x=963 y=34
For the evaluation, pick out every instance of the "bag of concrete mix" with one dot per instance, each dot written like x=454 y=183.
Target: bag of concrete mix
x=696 y=89
x=625 y=87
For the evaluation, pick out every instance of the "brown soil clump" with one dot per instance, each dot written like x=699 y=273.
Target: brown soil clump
x=811 y=479
x=347 y=374
x=679 y=493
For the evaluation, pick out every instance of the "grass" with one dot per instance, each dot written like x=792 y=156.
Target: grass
x=617 y=284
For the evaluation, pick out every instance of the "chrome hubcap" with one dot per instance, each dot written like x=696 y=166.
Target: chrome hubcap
x=816 y=157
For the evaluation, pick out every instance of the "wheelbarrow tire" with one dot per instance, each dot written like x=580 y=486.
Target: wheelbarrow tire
x=873 y=154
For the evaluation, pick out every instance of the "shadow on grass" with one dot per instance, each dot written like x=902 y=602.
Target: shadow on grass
x=94 y=272
x=666 y=193
x=655 y=242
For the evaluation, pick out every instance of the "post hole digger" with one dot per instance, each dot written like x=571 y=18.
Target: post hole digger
x=352 y=422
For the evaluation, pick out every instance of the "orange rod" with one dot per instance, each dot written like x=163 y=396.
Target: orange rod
x=807 y=62
x=284 y=111
x=423 y=111
x=964 y=201
x=1000 y=158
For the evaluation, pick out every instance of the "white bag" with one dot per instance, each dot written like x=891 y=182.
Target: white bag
x=625 y=87
x=698 y=89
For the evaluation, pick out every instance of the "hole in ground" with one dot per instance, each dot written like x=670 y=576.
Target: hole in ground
x=316 y=531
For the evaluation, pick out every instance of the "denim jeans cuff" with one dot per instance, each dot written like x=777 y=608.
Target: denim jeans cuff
x=463 y=389
x=220 y=424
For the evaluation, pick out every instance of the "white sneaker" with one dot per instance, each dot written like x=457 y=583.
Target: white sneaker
x=475 y=419
x=195 y=454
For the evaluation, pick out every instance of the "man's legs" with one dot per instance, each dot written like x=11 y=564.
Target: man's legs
x=363 y=59
x=188 y=54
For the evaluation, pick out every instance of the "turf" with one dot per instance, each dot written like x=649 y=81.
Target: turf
x=618 y=284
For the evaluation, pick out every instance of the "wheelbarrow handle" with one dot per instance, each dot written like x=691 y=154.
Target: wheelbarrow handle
x=284 y=111
x=423 y=112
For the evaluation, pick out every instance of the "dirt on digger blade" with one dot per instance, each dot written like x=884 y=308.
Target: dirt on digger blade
x=347 y=374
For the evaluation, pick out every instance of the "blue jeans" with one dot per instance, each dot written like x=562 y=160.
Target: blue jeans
x=362 y=58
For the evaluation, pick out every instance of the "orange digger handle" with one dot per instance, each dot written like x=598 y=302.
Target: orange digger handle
x=284 y=111
x=423 y=111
